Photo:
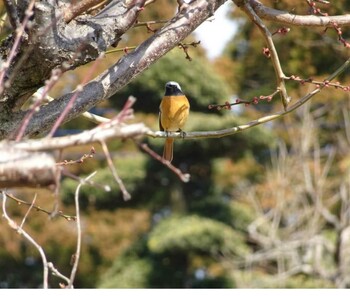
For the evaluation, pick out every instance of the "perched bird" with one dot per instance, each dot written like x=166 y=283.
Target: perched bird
x=173 y=113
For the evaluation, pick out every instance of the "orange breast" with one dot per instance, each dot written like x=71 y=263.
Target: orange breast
x=174 y=112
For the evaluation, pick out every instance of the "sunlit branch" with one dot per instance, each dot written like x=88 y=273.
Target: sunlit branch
x=291 y=19
x=79 y=8
x=126 y=194
x=78 y=249
x=37 y=208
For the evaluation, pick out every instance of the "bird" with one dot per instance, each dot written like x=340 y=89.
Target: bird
x=173 y=113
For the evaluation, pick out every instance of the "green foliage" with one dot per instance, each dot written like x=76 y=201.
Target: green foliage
x=201 y=85
x=195 y=234
x=127 y=273
x=130 y=168
x=142 y=266
x=236 y=214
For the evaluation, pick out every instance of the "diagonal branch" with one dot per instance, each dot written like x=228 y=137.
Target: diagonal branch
x=126 y=194
x=79 y=8
x=12 y=13
x=52 y=43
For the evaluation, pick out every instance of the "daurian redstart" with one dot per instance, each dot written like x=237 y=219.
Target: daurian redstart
x=173 y=113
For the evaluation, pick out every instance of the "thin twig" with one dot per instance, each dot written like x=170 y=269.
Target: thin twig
x=80 y=160
x=55 y=75
x=87 y=77
x=102 y=3
x=147 y=24
x=77 y=210
x=55 y=272
x=125 y=49
x=185 y=46
x=126 y=113
x=21 y=231
x=79 y=8
x=126 y=194
x=106 y=188
x=88 y=115
x=28 y=211
x=238 y=101
x=183 y=177
x=38 y=208
x=148 y=2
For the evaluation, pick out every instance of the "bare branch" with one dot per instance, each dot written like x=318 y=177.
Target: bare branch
x=69 y=105
x=183 y=177
x=22 y=168
x=126 y=194
x=53 y=43
x=21 y=231
x=148 y=2
x=290 y=19
x=79 y=8
x=55 y=272
x=12 y=14
x=77 y=210
x=13 y=52
x=28 y=211
x=92 y=136
x=37 y=208
x=106 y=188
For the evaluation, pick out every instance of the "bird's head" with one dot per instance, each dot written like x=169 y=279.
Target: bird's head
x=172 y=88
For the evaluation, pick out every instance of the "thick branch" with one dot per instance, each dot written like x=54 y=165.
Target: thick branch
x=20 y=168
x=98 y=134
x=52 y=43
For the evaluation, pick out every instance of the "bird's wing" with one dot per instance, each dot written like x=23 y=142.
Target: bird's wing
x=160 y=124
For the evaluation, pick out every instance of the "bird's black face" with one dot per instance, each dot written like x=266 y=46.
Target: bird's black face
x=172 y=88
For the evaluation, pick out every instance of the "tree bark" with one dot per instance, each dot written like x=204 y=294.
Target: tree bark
x=51 y=43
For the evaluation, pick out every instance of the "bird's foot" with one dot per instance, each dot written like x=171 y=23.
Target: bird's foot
x=182 y=133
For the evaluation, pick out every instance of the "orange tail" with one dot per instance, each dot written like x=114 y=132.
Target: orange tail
x=168 y=149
